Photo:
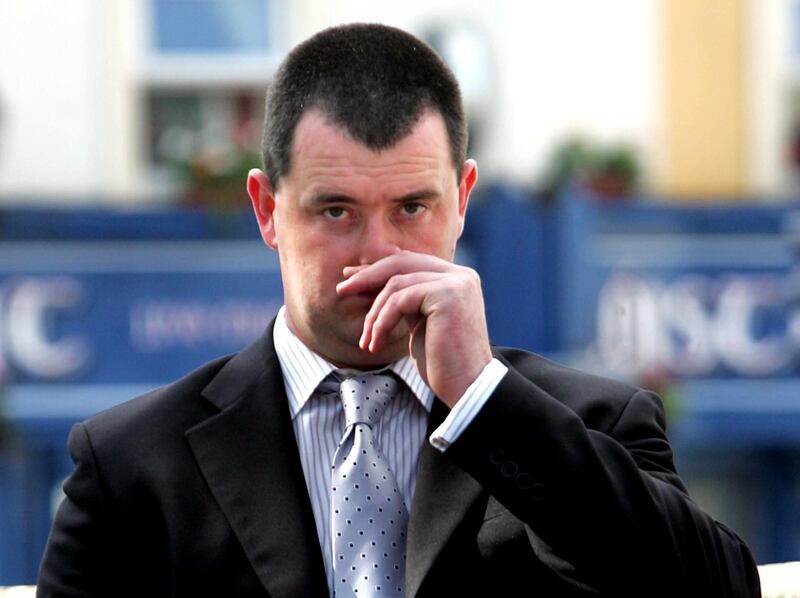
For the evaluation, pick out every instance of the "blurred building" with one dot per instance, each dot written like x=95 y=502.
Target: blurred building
x=97 y=96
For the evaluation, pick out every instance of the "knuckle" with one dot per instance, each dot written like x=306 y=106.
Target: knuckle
x=469 y=274
x=395 y=283
x=393 y=301
x=468 y=280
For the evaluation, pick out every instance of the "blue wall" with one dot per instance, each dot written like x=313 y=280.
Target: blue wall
x=701 y=302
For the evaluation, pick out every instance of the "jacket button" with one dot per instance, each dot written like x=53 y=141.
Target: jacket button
x=496 y=456
x=509 y=469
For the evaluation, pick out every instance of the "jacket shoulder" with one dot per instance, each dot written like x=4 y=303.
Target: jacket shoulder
x=179 y=404
x=597 y=399
x=548 y=373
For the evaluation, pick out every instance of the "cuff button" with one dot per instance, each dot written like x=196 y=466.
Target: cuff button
x=496 y=456
x=538 y=491
x=509 y=469
x=524 y=481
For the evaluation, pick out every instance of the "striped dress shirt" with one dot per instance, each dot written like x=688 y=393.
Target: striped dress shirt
x=318 y=422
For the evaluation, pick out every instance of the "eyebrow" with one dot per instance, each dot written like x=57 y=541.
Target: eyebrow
x=323 y=199
x=420 y=194
x=330 y=198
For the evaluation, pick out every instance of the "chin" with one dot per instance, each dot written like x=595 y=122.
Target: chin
x=351 y=355
x=341 y=347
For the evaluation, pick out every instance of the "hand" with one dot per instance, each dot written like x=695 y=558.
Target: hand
x=442 y=305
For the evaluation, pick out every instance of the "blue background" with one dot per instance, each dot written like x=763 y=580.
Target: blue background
x=543 y=267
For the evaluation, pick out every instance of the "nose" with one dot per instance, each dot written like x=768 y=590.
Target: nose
x=379 y=239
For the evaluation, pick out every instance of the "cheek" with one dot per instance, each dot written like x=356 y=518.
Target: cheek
x=439 y=238
x=315 y=264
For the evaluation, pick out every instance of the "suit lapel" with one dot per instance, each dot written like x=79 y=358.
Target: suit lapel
x=248 y=455
x=443 y=496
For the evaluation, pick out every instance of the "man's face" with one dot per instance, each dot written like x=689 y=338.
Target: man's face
x=343 y=204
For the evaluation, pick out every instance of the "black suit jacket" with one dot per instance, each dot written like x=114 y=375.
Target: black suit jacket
x=563 y=485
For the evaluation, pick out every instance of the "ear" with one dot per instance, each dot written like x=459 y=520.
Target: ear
x=469 y=176
x=259 y=188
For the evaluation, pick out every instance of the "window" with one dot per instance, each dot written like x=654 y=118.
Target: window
x=206 y=65
x=211 y=26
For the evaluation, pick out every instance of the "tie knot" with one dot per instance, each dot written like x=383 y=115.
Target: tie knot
x=366 y=396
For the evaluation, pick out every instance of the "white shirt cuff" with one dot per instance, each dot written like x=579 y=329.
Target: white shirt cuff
x=468 y=405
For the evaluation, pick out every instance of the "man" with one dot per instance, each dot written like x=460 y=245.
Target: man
x=510 y=475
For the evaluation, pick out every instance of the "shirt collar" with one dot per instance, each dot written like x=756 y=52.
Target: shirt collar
x=303 y=369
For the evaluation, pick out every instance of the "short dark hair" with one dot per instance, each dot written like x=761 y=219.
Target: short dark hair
x=373 y=81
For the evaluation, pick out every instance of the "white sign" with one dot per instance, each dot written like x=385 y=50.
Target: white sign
x=27 y=308
x=696 y=324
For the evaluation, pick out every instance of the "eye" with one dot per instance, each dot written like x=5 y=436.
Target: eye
x=412 y=208
x=334 y=212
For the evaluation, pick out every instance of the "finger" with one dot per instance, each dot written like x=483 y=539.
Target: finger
x=375 y=275
x=404 y=304
x=395 y=283
x=348 y=271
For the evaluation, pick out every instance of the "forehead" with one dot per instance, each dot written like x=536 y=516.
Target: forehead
x=319 y=144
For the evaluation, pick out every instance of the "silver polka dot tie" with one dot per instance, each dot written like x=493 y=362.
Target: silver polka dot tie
x=368 y=516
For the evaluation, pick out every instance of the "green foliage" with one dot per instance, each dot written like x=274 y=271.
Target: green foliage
x=606 y=170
